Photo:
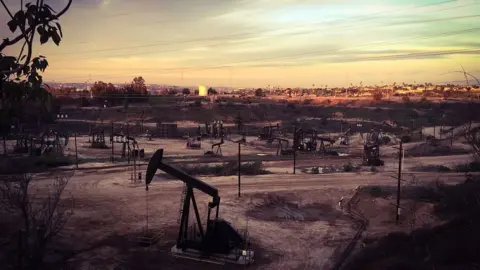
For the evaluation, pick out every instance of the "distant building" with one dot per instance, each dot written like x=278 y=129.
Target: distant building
x=202 y=90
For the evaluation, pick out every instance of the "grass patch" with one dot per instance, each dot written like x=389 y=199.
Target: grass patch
x=432 y=168
x=226 y=169
x=469 y=167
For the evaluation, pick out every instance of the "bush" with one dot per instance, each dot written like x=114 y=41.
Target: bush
x=307 y=101
x=198 y=103
x=227 y=169
x=348 y=167
x=406 y=99
x=469 y=167
x=432 y=168
x=291 y=106
x=377 y=95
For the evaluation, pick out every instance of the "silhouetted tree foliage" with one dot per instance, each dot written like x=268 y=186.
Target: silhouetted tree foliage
x=28 y=95
x=377 y=95
x=212 y=91
x=259 y=92
x=186 y=91
x=32 y=18
x=136 y=90
x=27 y=103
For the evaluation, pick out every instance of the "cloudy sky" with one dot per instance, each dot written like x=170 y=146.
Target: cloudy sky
x=255 y=43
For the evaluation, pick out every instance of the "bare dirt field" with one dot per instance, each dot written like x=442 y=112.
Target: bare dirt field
x=294 y=221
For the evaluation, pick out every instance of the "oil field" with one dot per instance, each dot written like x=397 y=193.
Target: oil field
x=217 y=163
x=309 y=193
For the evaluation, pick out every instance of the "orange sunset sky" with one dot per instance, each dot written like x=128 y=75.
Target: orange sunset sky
x=255 y=43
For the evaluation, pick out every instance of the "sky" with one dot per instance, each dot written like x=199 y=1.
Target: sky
x=262 y=43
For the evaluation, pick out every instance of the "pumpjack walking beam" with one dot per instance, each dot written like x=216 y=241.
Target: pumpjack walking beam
x=191 y=182
x=219 y=239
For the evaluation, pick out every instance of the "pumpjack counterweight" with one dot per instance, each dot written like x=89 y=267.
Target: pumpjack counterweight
x=219 y=240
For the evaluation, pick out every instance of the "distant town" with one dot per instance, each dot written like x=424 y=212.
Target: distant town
x=351 y=91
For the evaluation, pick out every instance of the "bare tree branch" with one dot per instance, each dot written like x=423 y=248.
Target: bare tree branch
x=6 y=9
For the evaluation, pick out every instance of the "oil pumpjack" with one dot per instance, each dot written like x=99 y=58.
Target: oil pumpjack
x=219 y=240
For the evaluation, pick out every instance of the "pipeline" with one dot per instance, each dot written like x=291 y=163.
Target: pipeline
x=353 y=242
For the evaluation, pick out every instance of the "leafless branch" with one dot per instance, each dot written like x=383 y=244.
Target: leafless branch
x=43 y=218
x=6 y=9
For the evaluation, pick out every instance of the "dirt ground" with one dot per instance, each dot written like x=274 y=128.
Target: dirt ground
x=294 y=221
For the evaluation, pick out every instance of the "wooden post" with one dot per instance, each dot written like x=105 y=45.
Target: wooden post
x=451 y=138
x=400 y=157
x=76 y=151
x=239 y=165
x=112 y=142
x=294 y=148
x=4 y=144
x=127 y=150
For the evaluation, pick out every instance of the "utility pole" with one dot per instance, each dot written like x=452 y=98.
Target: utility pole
x=399 y=178
x=128 y=144
x=451 y=137
x=113 y=143
x=76 y=151
x=294 y=148
x=239 y=165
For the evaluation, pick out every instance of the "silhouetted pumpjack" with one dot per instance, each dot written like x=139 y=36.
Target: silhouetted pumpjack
x=219 y=238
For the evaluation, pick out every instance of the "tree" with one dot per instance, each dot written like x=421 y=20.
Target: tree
x=377 y=95
x=41 y=218
x=102 y=89
x=24 y=24
x=138 y=85
x=259 y=92
x=186 y=91
x=211 y=91
x=30 y=19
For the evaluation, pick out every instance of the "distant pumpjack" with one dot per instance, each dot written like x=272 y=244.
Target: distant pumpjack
x=323 y=150
x=305 y=140
x=98 y=139
x=268 y=133
x=218 y=151
x=194 y=143
x=130 y=147
x=219 y=240
x=345 y=138
x=283 y=147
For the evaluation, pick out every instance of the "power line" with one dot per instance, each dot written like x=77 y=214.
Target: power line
x=317 y=53
x=355 y=18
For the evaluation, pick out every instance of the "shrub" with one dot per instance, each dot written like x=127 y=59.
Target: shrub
x=348 y=167
x=469 y=167
x=377 y=95
x=406 y=99
x=432 y=168
x=198 y=103
x=227 y=169
x=307 y=101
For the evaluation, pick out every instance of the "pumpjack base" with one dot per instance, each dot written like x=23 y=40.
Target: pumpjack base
x=241 y=257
